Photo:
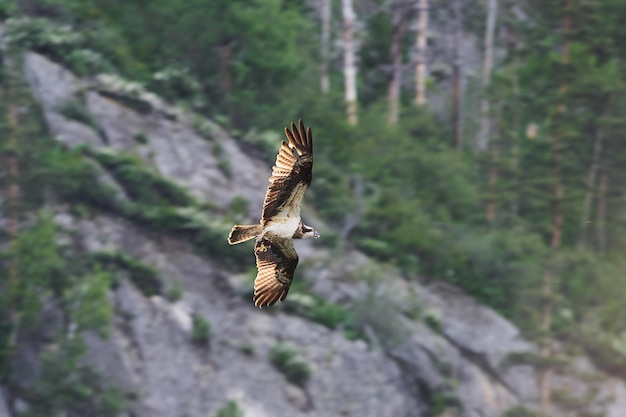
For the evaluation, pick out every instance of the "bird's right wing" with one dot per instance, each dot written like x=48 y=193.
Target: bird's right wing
x=276 y=261
x=291 y=174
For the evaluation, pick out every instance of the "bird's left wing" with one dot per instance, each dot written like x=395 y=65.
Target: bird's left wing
x=276 y=261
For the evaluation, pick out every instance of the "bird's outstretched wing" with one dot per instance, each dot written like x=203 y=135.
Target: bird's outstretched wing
x=276 y=261
x=291 y=174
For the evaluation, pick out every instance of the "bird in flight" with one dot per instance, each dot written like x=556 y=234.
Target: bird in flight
x=276 y=258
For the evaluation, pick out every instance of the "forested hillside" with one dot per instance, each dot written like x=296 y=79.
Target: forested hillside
x=479 y=143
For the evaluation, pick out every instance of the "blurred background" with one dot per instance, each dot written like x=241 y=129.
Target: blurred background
x=469 y=186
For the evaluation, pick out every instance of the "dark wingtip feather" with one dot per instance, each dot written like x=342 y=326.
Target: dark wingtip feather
x=289 y=135
x=309 y=136
x=295 y=138
x=302 y=131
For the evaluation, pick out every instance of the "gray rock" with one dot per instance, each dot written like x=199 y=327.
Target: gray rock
x=175 y=149
x=150 y=351
x=4 y=411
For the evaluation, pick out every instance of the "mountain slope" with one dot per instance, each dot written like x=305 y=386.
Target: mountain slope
x=419 y=350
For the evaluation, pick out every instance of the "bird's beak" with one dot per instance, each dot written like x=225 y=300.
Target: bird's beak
x=316 y=235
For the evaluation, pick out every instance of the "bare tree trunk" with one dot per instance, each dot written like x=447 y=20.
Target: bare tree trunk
x=592 y=175
x=325 y=14
x=422 y=44
x=485 y=121
x=557 y=221
x=601 y=215
x=349 y=61
x=395 y=81
x=457 y=77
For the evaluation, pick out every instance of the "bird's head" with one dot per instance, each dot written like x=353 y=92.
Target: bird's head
x=309 y=232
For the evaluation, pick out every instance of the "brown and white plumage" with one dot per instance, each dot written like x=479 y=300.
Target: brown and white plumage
x=276 y=261
x=291 y=174
x=276 y=257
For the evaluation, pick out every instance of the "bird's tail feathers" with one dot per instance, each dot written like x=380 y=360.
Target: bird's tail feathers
x=241 y=233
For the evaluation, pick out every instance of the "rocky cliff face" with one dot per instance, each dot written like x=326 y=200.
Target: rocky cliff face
x=426 y=349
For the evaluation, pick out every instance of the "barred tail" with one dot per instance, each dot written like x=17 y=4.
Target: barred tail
x=241 y=233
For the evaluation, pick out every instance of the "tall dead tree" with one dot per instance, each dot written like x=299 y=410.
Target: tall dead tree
x=485 y=119
x=325 y=17
x=399 y=16
x=421 y=42
x=458 y=75
x=349 y=61
x=556 y=232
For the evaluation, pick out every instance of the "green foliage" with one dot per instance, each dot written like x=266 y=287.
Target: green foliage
x=159 y=34
x=175 y=292
x=75 y=179
x=141 y=183
x=145 y=278
x=141 y=138
x=176 y=83
x=77 y=111
x=442 y=399
x=606 y=350
x=522 y=411
x=231 y=409
x=87 y=303
x=200 y=331
x=38 y=257
x=329 y=314
x=131 y=94
x=416 y=189
x=81 y=51
x=285 y=358
x=494 y=266
x=69 y=385
x=7 y=9
x=247 y=350
x=224 y=165
x=155 y=202
x=433 y=320
x=319 y=310
x=48 y=274
x=204 y=128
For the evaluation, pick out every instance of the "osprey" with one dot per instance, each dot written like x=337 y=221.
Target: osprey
x=276 y=258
